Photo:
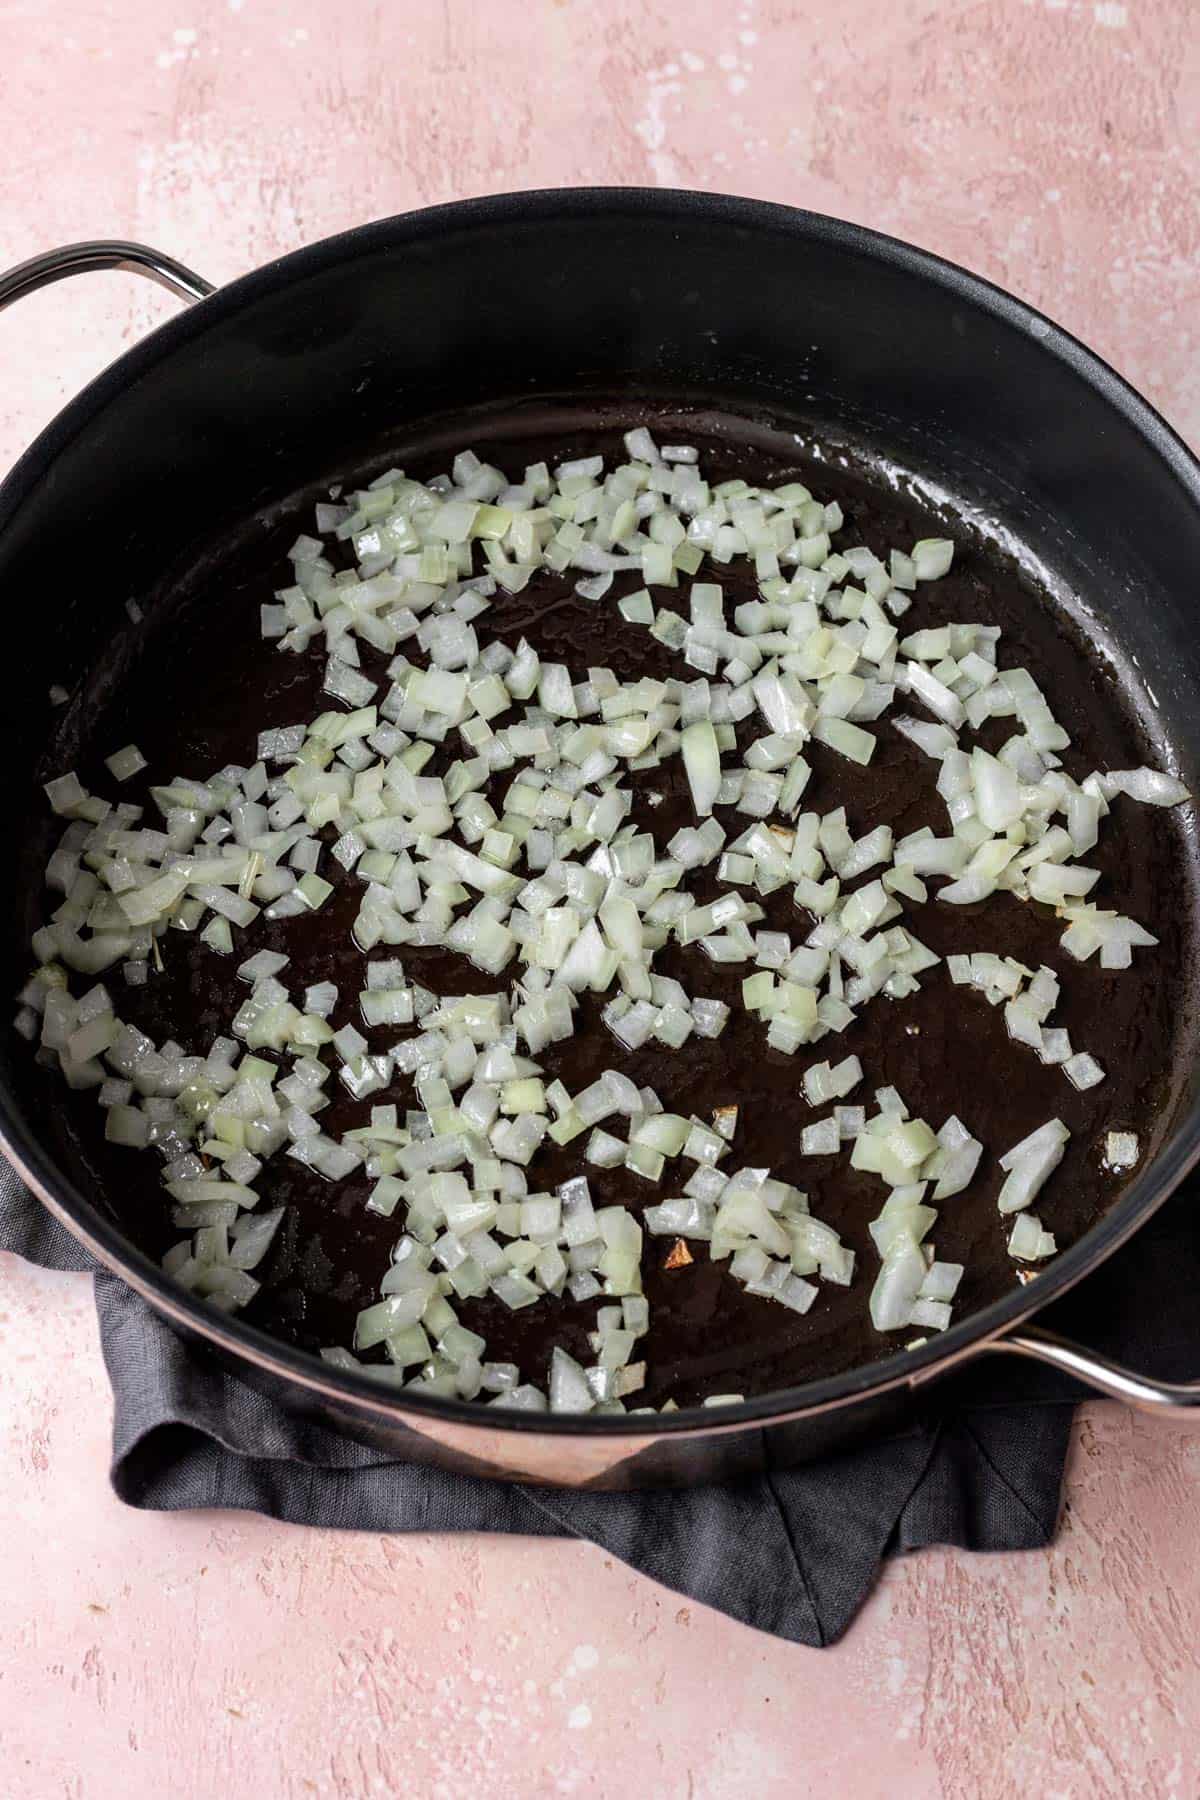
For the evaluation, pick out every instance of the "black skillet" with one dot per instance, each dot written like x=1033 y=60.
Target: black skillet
x=897 y=369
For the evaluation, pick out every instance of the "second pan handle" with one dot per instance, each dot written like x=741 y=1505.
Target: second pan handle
x=102 y=253
x=1179 y=1400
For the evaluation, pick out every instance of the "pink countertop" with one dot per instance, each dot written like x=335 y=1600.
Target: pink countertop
x=1049 y=144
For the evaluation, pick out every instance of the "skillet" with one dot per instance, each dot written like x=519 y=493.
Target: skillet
x=758 y=325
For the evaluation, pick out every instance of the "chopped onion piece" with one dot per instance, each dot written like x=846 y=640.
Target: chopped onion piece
x=1083 y=1071
x=1146 y=785
x=821 y=1139
x=1030 y=1163
x=125 y=763
x=897 y=1285
x=702 y=762
x=1121 y=1150
x=931 y=558
x=1027 y=1241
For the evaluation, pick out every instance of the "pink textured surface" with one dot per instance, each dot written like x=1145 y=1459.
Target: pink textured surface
x=1047 y=143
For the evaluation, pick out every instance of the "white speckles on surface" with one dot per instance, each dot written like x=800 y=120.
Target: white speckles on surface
x=651 y=127
x=183 y=46
x=1111 y=13
x=579 y=1717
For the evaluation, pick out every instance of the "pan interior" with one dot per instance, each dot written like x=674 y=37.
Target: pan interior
x=192 y=684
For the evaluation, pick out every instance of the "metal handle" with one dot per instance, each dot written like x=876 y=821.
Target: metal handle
x=1162 y=1399
x=103 y=253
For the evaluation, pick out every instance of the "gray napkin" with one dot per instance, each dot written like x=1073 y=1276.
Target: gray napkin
x=794 y=1553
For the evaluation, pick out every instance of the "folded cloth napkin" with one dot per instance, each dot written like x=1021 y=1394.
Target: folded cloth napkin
x=794 y=1553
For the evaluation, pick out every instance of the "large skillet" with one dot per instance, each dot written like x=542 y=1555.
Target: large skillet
x=760 y=309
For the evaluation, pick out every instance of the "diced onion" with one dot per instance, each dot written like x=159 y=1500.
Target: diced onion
x=530 y=857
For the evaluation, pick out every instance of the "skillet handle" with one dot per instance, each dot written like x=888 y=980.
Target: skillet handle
x=101 y=253
x=1160 y=1399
